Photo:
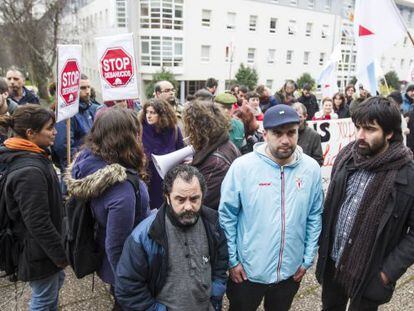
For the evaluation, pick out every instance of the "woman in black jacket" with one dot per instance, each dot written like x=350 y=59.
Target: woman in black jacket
x=340 y=107
x=32 y=196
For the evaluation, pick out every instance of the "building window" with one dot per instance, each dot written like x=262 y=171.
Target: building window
x=405 y=41
x=231 y=20
x=325 y=31
x=321 y=59
x=271 y=56
x=273 y=24
x=251 y=54
x=269 y=84
x=308 y=29
x=165 y=14
x=121 y=13
x=311 y=4
x=289 y=56
x=402 y=63
x=227 y=55
x=252 y=22
x=292 y=27
x=161 y=51
x=306 y=57
x=205 y=53
x=206 y=18
x=328 y=5
x=293 y=2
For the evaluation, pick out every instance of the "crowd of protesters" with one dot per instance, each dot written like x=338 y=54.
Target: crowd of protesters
x=245 y=216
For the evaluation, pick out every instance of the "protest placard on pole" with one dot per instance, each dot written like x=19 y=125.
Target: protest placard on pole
x=116 y=62
x=68 y=83
x=335 y=134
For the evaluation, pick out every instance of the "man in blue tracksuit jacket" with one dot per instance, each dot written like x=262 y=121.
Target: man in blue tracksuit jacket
x=80 y=125
x=270 y=212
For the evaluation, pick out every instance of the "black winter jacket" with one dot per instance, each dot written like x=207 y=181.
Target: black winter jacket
x=311 y=105
x=310 y=141
x=393 y=249
x=34 y=204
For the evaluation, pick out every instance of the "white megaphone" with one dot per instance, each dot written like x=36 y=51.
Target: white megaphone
x=163 y=163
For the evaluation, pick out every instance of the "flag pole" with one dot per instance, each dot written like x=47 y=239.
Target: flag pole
x=411 y=37
x=386 y=84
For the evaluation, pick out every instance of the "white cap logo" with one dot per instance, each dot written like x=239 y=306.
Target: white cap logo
x=281 y=112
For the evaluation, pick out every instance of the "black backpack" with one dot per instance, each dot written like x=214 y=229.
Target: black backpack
x=79 y=232
x=9 y=244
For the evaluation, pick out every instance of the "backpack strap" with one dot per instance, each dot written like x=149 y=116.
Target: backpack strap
x=133 y=178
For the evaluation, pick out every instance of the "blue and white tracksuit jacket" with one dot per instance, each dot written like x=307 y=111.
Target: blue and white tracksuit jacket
x=271 y=214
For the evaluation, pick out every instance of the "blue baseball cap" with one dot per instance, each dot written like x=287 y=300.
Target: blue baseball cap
x=280 y=115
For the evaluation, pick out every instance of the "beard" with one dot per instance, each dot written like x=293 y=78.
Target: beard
x=186 y=218
x=279 y=153
x=365 y=149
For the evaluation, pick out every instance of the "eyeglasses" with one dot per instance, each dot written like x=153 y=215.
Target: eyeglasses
x=168 y=91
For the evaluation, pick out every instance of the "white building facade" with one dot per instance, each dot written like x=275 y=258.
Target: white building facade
x=195 y=40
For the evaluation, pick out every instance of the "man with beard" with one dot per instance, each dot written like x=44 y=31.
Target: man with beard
x=17 y=91
x=270 y=211
x=176 y=259
x=366 y=243
x=309 y=139
x=81 y=124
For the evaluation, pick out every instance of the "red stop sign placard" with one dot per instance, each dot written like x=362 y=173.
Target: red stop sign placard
x=69 y=82
x=116 y=67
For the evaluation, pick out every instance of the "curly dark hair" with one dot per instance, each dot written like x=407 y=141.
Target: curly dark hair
x=167 y=117
x=185 y=172
x=204 y=122
x=116 y=137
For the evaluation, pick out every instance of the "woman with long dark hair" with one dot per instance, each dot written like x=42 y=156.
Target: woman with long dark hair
x=99 y=174
x=31 y=195
x=160 y=135
x=339 y=106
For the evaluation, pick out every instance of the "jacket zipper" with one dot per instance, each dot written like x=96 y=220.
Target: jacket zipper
x=282 y=216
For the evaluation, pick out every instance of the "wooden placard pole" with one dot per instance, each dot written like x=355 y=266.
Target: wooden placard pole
x=68 y=155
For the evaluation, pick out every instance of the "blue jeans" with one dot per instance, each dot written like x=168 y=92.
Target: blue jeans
x=45 y=292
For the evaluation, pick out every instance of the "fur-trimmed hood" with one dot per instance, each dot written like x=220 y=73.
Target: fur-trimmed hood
x=89 y=176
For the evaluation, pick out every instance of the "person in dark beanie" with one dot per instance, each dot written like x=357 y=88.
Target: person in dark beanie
x=365 y=246
x=309 y=100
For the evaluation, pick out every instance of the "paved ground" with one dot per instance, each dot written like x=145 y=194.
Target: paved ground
x=77 y=295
